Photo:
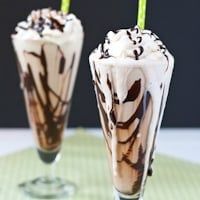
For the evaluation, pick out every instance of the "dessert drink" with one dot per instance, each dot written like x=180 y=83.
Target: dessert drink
x=131 y=74
x=48 y=47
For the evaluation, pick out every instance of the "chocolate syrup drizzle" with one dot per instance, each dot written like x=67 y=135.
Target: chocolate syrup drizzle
x=139 y=50
x=139 y=114
x=40 y=21
x=49 y=132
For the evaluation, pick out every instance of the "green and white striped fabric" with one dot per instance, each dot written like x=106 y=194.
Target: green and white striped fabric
x=84 y=162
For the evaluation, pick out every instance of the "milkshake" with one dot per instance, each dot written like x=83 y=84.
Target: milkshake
x=131 y=74
x=48 y=47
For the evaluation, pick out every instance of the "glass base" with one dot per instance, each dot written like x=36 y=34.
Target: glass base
x=45 y=188
x=121 y=198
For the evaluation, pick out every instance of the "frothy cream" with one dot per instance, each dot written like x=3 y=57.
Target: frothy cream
x=49 y=25
x=132 y=43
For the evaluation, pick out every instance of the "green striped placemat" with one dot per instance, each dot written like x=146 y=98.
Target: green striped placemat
x=84 y=162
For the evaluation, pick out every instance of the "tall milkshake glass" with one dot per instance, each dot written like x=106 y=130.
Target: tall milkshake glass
x=131 y=73
x=48 y=48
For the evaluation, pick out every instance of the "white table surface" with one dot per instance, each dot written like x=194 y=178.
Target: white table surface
x=179 y=143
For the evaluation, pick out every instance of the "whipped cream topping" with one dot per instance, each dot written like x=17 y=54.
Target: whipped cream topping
x=48 y=23
x=132 y=43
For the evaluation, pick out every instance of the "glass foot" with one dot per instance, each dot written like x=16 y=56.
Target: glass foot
x=120 y=196
x=45 y=188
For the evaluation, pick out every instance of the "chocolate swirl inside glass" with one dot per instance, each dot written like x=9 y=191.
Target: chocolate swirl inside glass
x=48 y=47
x=47 y=82
x=131 y=96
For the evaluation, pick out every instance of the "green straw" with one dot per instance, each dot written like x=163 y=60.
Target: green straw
x=142 y=13
x=65 y=6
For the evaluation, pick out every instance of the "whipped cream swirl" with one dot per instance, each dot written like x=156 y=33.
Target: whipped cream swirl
x=46 y=23
x=132 y=43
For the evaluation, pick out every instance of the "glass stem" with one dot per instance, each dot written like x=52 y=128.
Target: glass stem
x=49 y=171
